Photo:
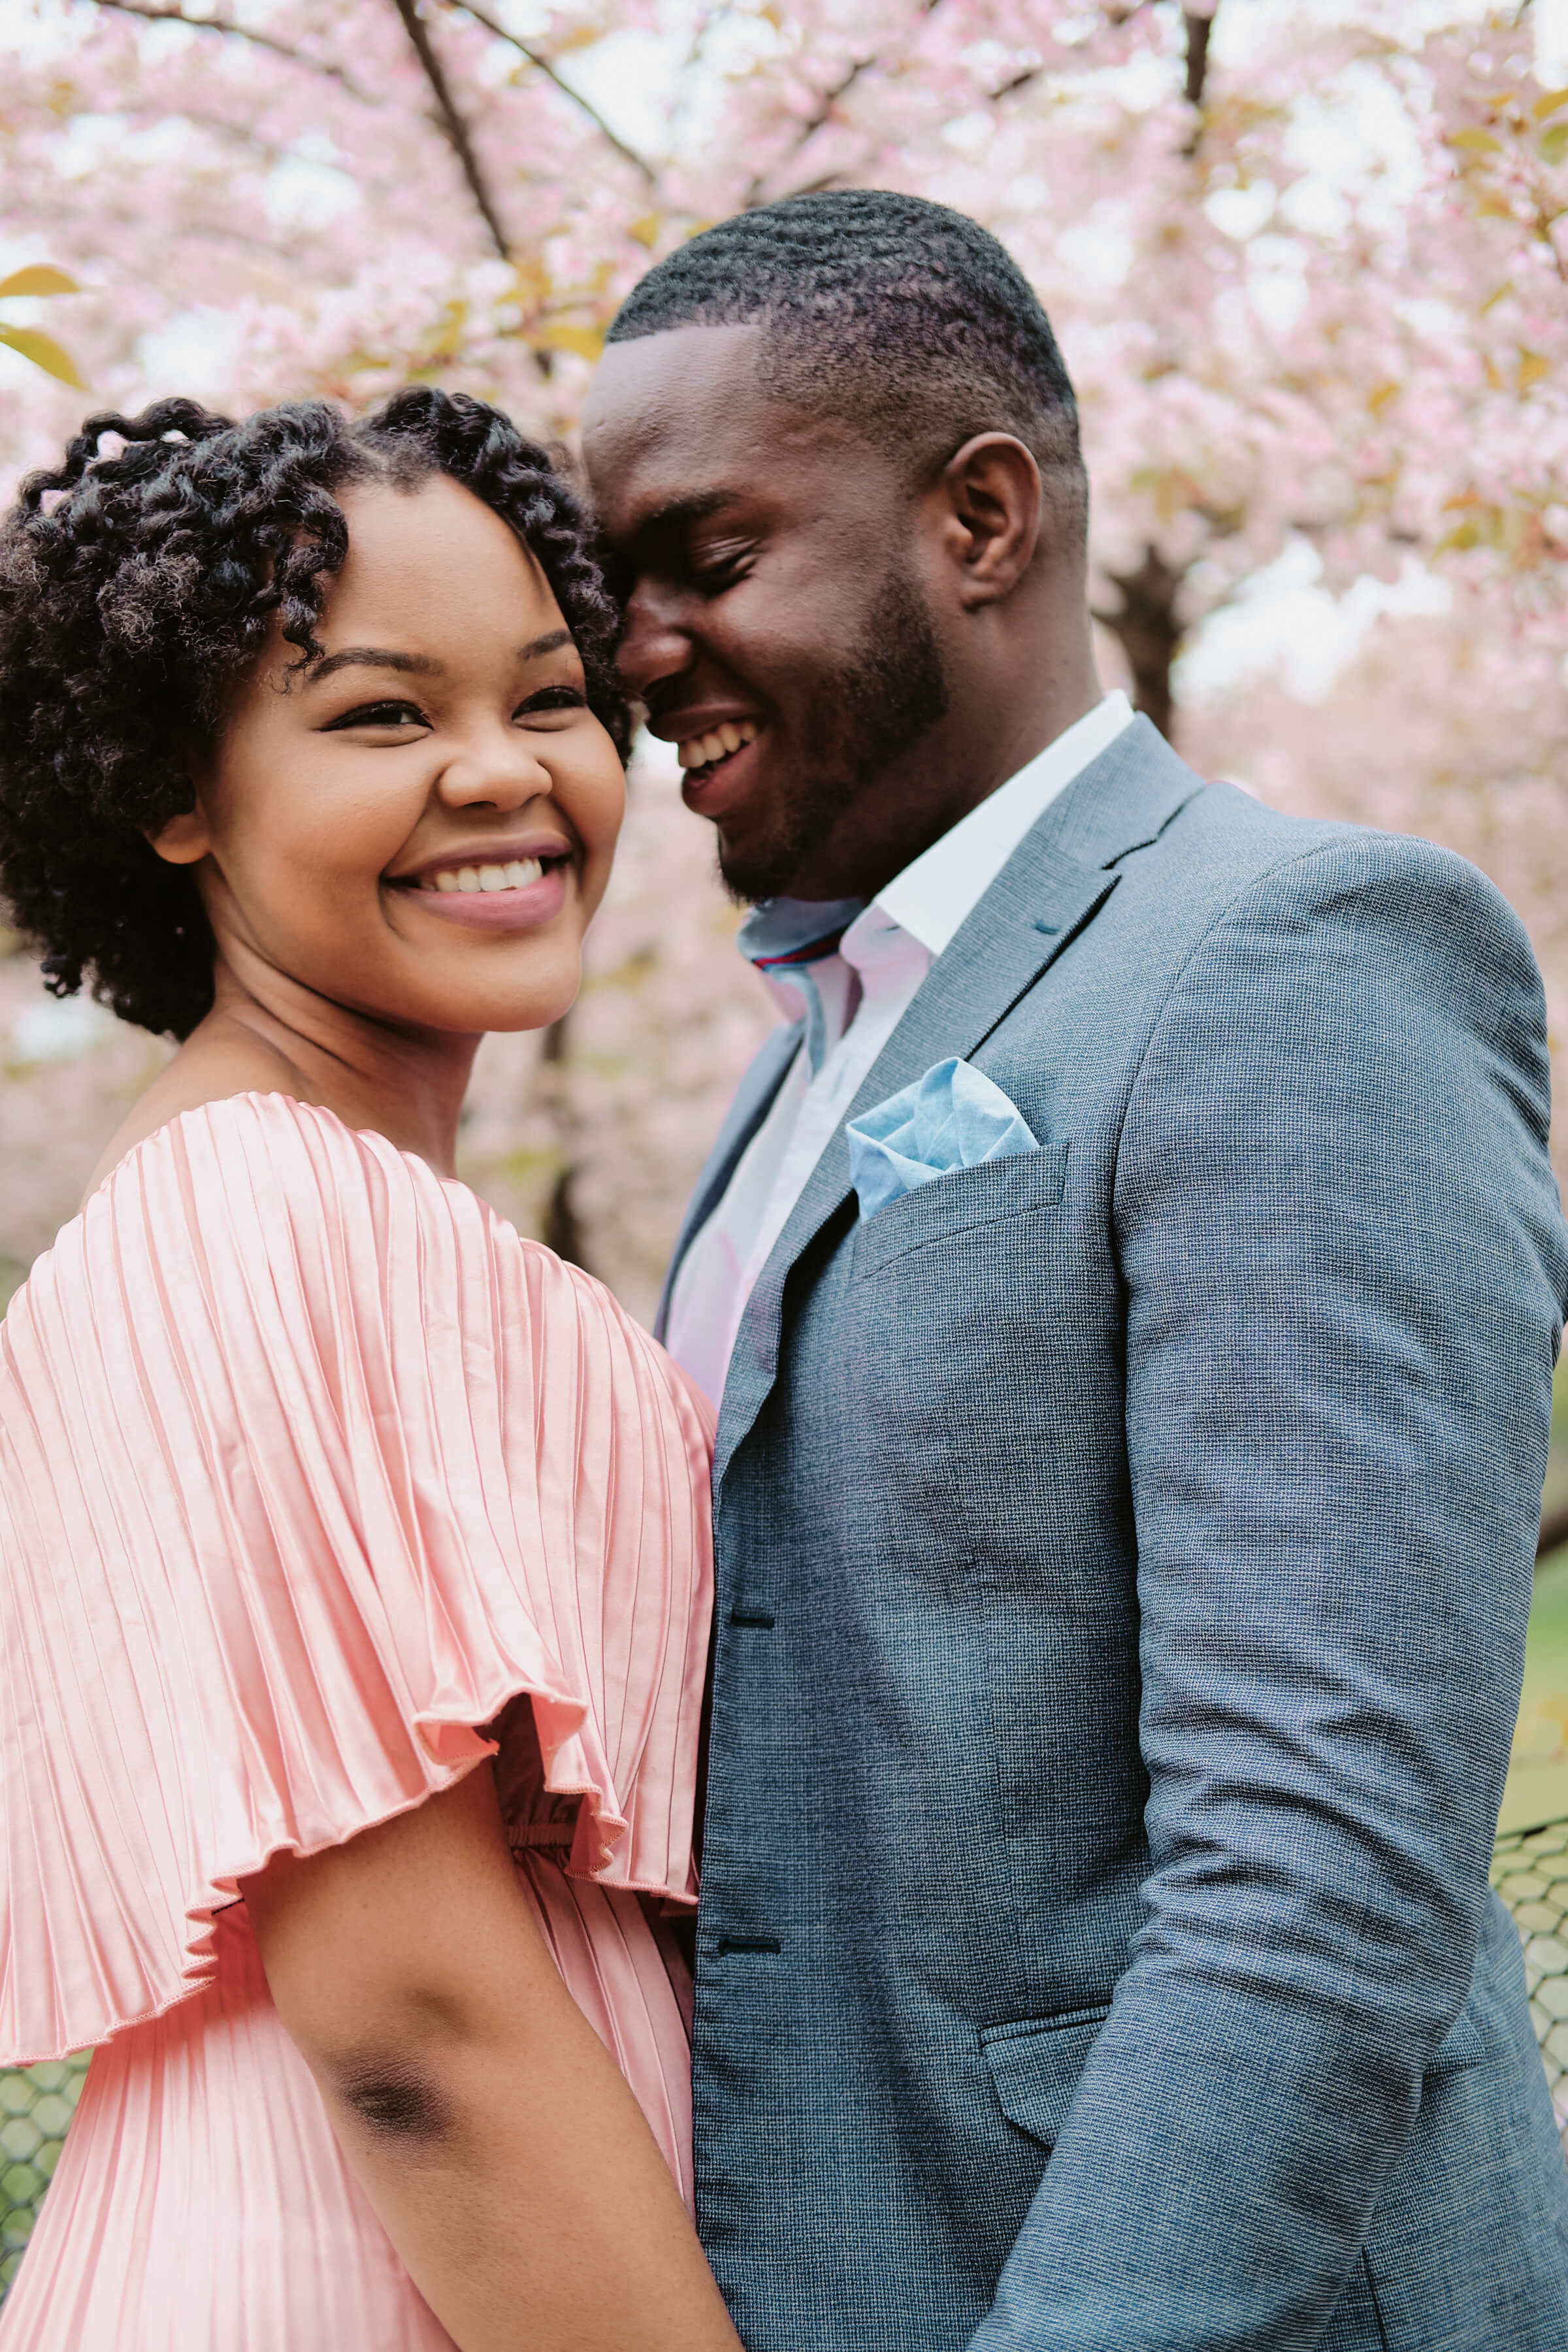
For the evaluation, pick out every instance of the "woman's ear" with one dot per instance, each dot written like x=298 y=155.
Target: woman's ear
x=992 y=501
x=185 y=840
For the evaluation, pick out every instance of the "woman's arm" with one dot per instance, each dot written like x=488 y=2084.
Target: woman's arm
x=489 y=2127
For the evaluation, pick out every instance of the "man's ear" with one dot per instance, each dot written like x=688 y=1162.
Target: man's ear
x=991 y=503
x=185 y=840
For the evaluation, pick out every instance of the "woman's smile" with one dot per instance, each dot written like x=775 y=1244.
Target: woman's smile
x=520 y=897
x=492 y=886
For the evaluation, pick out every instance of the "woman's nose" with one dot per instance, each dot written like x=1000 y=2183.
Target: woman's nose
x=654 y=646
x=501 y=770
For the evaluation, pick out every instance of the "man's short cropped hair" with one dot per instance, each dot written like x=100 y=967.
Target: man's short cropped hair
x=908 y=320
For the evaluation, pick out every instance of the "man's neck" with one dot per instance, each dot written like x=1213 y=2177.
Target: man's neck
x=955 y=767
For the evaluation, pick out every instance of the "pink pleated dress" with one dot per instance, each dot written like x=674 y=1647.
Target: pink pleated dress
x=309 y=1468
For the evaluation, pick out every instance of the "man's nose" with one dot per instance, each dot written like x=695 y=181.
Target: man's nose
x=655 y=646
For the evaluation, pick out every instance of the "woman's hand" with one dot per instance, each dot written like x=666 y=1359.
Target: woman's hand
x=489 y=2127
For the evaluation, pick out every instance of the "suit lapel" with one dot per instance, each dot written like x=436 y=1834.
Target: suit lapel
x=1056 y=882
x=753 y=1098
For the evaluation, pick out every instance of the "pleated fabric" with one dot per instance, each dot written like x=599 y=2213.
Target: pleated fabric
x=309 y=1465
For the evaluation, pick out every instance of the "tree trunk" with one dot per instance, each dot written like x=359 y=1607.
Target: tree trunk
x=1198 y=29
x=562 y=1232
x=1148 y=631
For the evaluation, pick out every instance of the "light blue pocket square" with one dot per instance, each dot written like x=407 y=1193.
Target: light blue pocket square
x=954 y=1117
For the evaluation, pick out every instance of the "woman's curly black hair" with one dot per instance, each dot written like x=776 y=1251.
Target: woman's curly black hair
x=135 y=586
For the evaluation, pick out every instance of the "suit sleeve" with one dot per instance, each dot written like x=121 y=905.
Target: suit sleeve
x=1344 y=1266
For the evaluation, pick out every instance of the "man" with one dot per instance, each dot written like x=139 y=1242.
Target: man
x=1133 y=1283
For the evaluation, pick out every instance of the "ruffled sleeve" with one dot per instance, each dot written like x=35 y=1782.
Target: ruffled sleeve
x=309 y=1464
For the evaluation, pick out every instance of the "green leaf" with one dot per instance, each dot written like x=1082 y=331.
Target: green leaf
x=1477 y=142
x=1549 y=103
x=38 y=277
x=1555 y=143
x=44 y=353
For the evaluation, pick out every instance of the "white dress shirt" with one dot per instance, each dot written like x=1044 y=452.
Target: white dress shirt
x=853 y=973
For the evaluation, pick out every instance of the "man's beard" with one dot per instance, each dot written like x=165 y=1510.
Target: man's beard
x=888 y=692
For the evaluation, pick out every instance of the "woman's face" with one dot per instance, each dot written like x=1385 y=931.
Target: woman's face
x=419 y=826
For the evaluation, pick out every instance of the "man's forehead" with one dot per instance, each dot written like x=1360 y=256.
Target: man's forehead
x=656 y=391
x=679 y=421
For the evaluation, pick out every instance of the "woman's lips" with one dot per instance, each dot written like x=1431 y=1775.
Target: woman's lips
x=495 y=911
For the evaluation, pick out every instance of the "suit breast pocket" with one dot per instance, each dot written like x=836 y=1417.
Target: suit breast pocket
x=966 y=1197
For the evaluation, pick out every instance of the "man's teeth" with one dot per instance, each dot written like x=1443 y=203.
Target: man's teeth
x=517 y=876
x=702 y=751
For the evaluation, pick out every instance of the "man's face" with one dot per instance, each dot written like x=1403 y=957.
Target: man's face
x=778 y=627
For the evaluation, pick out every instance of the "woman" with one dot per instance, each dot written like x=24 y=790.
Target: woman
x=319 y=1488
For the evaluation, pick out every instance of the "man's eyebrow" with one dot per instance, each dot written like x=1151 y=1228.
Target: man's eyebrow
x=695 y=507
x=374 y=657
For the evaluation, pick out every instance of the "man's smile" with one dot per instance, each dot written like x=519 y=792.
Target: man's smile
x=716 y=752
x=707 y=749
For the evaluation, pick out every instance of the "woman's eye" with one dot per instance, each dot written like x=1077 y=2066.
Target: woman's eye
x=378 y=714
x=552 y=697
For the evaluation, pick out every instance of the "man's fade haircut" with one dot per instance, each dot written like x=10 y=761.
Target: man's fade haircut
x=908 y=320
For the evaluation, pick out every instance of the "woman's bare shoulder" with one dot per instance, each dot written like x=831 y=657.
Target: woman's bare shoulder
x=210 y=1067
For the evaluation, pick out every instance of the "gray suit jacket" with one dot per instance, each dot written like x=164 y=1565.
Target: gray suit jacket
x=1124 y=1552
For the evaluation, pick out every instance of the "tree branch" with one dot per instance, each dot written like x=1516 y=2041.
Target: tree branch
x=816 y=120
x=541 y=65
x=1020 y=80
x=155 y=12
x=452 y=123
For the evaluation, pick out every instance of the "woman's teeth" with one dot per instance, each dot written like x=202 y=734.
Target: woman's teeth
x=702 y=751
x=517 y=876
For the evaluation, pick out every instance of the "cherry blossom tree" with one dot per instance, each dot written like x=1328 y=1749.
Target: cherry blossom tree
x=1308 y=263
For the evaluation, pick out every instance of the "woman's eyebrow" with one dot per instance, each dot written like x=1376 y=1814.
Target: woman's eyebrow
x=374 y=657
x=420 y=665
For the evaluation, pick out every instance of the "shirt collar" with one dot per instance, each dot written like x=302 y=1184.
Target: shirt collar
x=783 y=932
x=790 y=940
x=938 y=890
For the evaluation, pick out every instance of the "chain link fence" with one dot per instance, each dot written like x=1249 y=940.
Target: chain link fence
x=1530 y=1871
x=36 y=2103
